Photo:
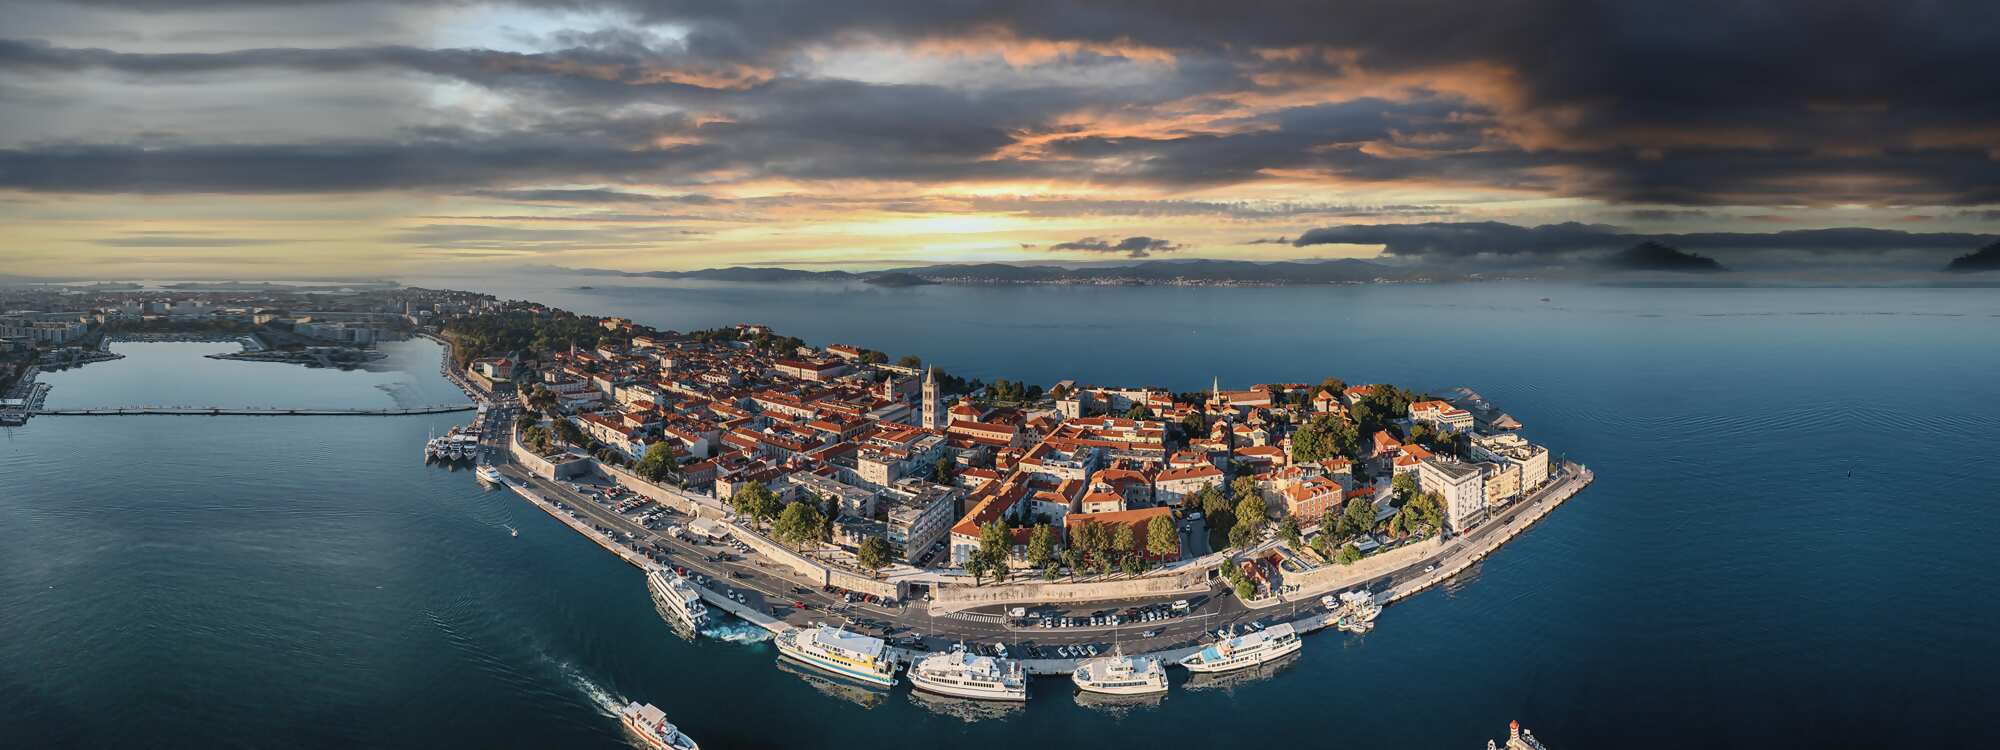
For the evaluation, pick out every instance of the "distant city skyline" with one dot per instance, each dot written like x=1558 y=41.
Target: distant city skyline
x=205 y=138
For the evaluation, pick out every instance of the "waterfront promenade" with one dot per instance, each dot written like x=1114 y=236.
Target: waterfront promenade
x=774 y=591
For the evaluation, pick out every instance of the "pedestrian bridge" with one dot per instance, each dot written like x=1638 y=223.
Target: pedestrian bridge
x=229 y=411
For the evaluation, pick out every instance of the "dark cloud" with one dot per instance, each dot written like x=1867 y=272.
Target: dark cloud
x=433 y=160
x=1465 y=239
x=580 y=195
x=1704 y=103
x=1132 y=247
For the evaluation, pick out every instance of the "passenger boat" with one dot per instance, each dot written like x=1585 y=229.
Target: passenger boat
x=651 y=725
x=1357 y=612
x=960 y=674
x=1247 y=650
x=836 y=651
x=489 y=474
x=1119 y=674
x=674 y=594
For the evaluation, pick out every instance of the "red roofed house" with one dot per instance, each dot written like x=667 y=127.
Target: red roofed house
x=1138 y=520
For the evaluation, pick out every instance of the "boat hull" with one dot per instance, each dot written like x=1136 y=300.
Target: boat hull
x=920 y=682
x=1265 y=656
x=871 y=679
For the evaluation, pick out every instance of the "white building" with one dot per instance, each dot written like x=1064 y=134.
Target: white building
x=918 y=514
x=1461 y=486
x=1509 y=448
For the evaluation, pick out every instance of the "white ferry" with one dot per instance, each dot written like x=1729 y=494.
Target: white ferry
x=959 y=674
x=674 y=594
x=489 y=474
x=1247 y=650
x=651 y=725
x=1118 y=674
x=851 y=655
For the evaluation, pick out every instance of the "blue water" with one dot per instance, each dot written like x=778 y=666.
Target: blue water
x=253 y=582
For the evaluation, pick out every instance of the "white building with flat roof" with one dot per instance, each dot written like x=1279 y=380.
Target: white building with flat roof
x=1509 y=448
x=1460 y=485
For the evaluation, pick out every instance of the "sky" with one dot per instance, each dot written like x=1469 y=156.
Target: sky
x=324 y=139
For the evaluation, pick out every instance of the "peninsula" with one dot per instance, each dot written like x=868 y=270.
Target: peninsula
x=884 y=513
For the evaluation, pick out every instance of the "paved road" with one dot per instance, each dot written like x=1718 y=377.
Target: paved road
x=773 y=588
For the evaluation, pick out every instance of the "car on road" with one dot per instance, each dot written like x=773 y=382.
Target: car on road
x=1150 y=633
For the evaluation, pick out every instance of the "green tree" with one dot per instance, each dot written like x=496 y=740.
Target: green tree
x=1243 y=488
x=536 y=437
x=1072 y=560
x=1049 y=572
x=911 y=361
x=525 y=420
x=1349 y=554
x=1405 y=486
x=1161 y=541
x=1242 y=535
x=1250 y=511
x=1132 y=565
x=755 y=501
x=1245 y=590
x=872 y=357
x=798 y=524
x=1360 y=516
x=996 y=544
x=1138 y=411
x=1289 y=531
x=1041 y=545
x=658 y=465
x=945 y=471
x=568 y=432
x=1329 y=522
x=1325 y=436
x=1124 y=542
x=975 y=565
x=873 y=554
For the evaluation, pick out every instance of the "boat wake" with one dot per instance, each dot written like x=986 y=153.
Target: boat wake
x=736 y=631
x=608 y=703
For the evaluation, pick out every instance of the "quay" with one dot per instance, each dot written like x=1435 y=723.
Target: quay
x=1305 y=613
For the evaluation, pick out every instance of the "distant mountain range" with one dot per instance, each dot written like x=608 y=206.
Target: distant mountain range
x=1163 y=272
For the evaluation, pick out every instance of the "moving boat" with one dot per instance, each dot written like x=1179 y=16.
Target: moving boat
x=651 y=725
x=1247 y=650
x=1119 y=674
x=674 y=594
x=960 y=674
x=851 y=655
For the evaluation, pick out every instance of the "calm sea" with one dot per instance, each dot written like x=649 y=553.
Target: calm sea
x=1789 y=543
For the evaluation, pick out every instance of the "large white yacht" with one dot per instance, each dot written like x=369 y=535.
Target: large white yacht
x=960 y=674
x=676 y=595
x=651 y=725
x=851 y=655
x=1118 y=674
x=1247 y=650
